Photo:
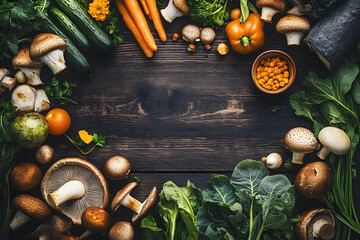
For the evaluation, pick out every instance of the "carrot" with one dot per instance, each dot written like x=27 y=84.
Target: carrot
x=137 y=15
x=132 y=27
x=154 y=13
x=143 y=3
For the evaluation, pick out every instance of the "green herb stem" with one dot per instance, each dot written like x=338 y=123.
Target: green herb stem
x=68 y=99
x=251 y=217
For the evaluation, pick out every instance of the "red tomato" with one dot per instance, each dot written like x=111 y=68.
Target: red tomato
x=59 y=121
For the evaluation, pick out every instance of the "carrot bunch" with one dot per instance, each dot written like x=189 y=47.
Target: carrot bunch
x=137 y=24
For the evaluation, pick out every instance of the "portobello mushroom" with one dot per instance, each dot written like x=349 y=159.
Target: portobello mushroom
x=333 y=37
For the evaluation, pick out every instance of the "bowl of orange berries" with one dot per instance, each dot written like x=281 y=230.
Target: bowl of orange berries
x=273 y=72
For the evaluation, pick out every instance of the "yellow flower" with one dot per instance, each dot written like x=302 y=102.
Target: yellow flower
x=99 y=9
x=84 y=135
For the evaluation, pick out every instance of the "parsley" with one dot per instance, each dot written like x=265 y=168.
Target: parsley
x=288 y=164
x=62 y=95
x=112 y=26
x=137 y=180
x=98 y=141
x=276 y=109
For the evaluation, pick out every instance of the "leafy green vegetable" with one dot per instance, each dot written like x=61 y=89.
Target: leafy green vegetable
x=334 y=101
x=8 y=151
x=62 y=95
x=288 y=163
x=177 y=209
x=248 y=205
x=276 y=109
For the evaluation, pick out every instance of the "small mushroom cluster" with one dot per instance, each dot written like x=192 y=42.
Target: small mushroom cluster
x=28 y=99
x=192 y=34
x=77 y=189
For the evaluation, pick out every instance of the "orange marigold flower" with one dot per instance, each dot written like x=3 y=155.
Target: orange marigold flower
x=84 y=135
x=99 y=9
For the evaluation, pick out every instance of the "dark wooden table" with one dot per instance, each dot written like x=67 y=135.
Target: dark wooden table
x=182 y=116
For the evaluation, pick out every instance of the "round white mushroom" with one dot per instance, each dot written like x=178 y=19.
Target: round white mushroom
x=293 y=27
x=191 y=33
x=207 y=36
x=333 y=140
x=273 y=161
x=23 y=97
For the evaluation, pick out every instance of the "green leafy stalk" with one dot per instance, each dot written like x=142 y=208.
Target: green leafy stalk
x=98 y=141
x=61 y=94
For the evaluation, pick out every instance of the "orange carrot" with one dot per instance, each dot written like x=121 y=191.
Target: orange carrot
x=154 y=13
x=132 y=27
x=143 y=3
x=137 y=15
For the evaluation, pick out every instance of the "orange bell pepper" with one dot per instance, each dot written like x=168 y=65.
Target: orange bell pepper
x=248 y=36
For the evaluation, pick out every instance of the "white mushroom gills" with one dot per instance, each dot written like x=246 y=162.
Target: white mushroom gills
x=71 y=190
x=54 y=60
x=294 y=38
x=32 y=75
x=19 y=220
x=170 y=13
x=267 y=14
x=132 y=203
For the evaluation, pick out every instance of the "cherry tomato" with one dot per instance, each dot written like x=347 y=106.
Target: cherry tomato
x=59 y=121
x=235 y=14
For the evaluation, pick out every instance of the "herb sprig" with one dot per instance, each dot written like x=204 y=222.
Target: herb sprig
x=62 y=95
x=98 y=141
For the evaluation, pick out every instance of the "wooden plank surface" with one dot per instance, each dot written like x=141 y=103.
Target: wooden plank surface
x=180 y=116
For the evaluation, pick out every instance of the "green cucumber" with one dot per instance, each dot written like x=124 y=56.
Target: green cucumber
x=99 y=40
x=71 y=30
x=74 y=58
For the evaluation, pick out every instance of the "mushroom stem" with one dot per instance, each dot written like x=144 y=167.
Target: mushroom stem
x=32 y=75
x=294 y=38
x=170 y=12
x=54 y=60
x=19 y=219
x=71 y=190
x=86 y=234
x=267 y=14
x=132 y=203
x=323 y=230
x=298 y=158
x=8 y=82
x=323 y=153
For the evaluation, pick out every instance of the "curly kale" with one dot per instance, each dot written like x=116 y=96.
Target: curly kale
x=209 y=13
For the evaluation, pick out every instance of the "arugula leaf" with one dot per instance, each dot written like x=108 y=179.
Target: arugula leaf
x=62 y=95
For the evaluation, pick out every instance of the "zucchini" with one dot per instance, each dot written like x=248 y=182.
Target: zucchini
x=333 y=37
x=71 y=30
x=99 y=40
x=74 y=58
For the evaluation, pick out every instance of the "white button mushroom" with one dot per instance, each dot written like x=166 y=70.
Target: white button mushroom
x=42 y=102
x=273 y=161
x=191 y=33
x=333 y=140
x=269 y=8
x=207 y=36
x=23 y=97
x=300 y=141
x=30 y=68
x=175 y=9
x=293 y=27
x=49 y=49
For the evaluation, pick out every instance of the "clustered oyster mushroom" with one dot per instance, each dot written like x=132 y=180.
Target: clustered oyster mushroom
x=175 y=9
x=317 y=223
x=122 y=231
x=293 y=27
x=123 y=198
x=25 y=176
x=28 y=207
x=314 y=179
x=49 y=49
x=273 y=161
x=30 y=68
x=95 y=220
x=269 y=8
x=5 y=80
x=77 y=180
x=333 y=140
x=117 y=168
x=300 y=141
x=27 y=99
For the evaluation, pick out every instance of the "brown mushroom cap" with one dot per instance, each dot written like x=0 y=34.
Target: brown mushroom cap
x=44 y=154
x=22 y=60
x=149 y=202
x=181 y=5
x=115 y=204
x=278 y=5
x=304 y=227
x=292 y=23
x=300 y=140
x=25 y=176
x=32 y=206
x=117 y=168
x=45 y=43
x=95 y=220
x=122 y=231
x=314 y=179
x=67 y=169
